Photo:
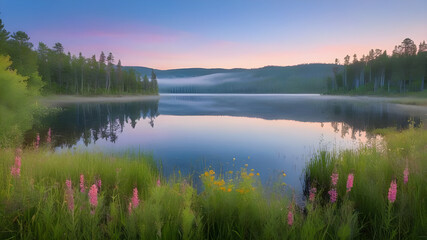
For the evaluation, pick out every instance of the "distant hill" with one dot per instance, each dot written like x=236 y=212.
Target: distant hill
x=306 y=78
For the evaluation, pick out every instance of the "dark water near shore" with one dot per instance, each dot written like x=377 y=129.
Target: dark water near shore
x=271 y=133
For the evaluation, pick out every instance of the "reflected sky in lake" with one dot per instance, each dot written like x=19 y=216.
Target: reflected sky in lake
x=270 y=133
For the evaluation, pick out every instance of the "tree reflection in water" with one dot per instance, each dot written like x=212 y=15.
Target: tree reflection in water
x=93 y=121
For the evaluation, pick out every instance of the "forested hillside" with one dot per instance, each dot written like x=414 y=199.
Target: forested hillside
x=403 y=71
x=305 y=78
x=54 y=71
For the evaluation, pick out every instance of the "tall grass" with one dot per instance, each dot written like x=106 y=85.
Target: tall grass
x=232 y=205
x=374 y=168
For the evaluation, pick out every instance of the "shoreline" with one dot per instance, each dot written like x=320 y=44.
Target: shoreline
x=55 y=100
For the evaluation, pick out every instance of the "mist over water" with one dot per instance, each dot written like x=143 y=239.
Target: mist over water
x=192 y=132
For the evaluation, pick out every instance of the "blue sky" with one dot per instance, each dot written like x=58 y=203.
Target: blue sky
x=229 y=33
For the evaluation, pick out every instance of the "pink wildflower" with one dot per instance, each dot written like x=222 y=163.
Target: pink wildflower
x=49 y=136
x=99 y=184
x=69 y=195
x=312 y=194
x=333 y=195
x=135 y=199
x=93 y=196
x=18 y=161
x=290 y=218
x=350 y=180
x=158 y=182
x=406 y=175
x=334 y=179
x=16 y=168
x=130 y=208
x=16 y=172
x=68 y=183
x=82 y=183
x=392 y=191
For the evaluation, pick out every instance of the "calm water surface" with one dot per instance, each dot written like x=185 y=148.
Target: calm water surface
x=190 y=133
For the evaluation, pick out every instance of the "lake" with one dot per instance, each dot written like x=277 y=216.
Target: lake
x=273 y=134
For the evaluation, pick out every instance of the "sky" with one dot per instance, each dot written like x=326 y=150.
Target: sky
x=218 y=33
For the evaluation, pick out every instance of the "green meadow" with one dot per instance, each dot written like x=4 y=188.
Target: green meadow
x=232 y=205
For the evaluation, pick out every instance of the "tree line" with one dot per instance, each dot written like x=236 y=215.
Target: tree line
x=53 y=71
x=402 y=71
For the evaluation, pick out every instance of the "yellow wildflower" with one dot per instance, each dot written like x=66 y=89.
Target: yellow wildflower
x=284 y=174
x=206 y=174
x=251 y=174
x=252 y=170
x=222 y=188
x=229 y=190
x=211 y=172
x=230 y=172
x=257 y=174
x=234 y=159
x=246 y=165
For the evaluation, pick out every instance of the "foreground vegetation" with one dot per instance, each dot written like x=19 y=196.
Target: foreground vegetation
x=96 y=196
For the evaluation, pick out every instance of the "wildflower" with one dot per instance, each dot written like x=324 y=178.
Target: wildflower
x=16 y=172
x=312 y=194
x=251 y=174
x=334 y=179
x=230 y=172
x=290 y=218
x=246 y=165
x=16 y=168
x=82 y=183
x=93 y=196
x=392 y=191
x=252 y=170
x=406 y=175
x=135 y=199
x=350 y=180
x=211 y=172
x=49 y=138
x=234 y=159
x=158 y=182
x=257 y=174
x=68 y=183
x=222 y=188
x=229 y=190
x=69 y=195
x=18 y=161
x=206 y=174
x=99 y=184
x=333 y=195
x=284 y=174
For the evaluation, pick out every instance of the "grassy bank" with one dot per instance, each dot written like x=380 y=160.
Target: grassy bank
x=409 y=98
x=36 y=203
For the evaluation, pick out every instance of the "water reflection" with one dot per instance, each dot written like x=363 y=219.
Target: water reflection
x=93 y=121
x=89 y=122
